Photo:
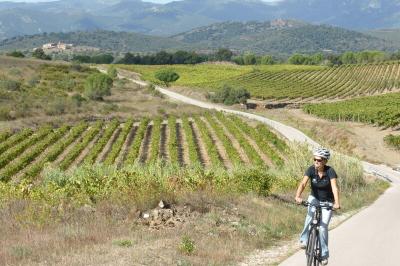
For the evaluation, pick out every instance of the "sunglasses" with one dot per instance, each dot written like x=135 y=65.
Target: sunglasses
x=318 y=160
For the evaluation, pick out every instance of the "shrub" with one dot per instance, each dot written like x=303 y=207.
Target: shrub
x=77 y=99
x=167 y=76
x=229 y=95
x=98 y=85
x=112 y=72
x=10 y=85
x=16 y=54
x=39 y=54
x=123 y=243
x=393 y=141
x=187 y=245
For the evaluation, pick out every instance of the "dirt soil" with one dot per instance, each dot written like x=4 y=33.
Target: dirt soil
x=362 y=140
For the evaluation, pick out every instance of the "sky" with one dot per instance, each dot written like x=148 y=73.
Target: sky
x=154 y=1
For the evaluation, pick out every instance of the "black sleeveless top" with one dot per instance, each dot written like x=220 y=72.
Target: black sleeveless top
x=321 y=188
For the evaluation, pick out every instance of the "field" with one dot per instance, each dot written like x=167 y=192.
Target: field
x=289 y=82
x=383 y=110
x=208 y=140
x=34 y=92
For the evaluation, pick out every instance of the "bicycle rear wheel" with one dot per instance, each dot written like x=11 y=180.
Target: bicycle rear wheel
x=311 y=244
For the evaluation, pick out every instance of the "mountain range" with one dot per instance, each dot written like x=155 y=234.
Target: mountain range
x=270 y=37
x=179 y=16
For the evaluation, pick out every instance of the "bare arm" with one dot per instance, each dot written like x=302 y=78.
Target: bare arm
x=335 y=191
x=301 y=188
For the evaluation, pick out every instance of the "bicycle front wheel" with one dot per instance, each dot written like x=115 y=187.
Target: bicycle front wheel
x=311 y=244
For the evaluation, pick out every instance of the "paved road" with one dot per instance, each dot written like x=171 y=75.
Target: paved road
x=371 y=237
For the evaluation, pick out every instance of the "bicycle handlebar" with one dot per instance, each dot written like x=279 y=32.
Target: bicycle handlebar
x=322 y=206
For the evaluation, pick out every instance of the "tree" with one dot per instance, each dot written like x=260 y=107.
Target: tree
x=97 y=86
x=102 y=59
x=82 y=58
x=167 y=76
x=249 y=59
x=223 y=54
x=348 y=58
x=163 y=58
x=229 y=95
x=267 y=60
x=39 y=54
x=16 y=54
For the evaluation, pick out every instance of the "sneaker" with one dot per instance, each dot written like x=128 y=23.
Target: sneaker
x=303 y=245
x=324 y=262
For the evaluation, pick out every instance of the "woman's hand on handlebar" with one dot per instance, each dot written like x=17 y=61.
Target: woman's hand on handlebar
x=299 y=200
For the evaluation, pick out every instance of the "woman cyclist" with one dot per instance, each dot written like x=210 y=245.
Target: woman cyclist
x=324 y=189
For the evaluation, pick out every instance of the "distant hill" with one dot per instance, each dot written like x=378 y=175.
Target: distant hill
x=386 y=34
x=179 y=16
x=281 y=36
x=275 y=37
x=105 y=40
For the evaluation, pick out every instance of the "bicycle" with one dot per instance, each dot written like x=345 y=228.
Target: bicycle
x=313 y=248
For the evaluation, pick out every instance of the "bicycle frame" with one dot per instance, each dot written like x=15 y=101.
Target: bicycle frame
x=313 y=249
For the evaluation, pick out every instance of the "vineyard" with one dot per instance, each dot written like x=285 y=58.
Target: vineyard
x=383 y=110
x=281 y=82
x=210 y=140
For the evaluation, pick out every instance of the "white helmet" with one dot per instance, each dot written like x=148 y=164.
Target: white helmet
x=322 y=152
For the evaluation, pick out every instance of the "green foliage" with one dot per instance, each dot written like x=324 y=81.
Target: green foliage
x=112 y=72
x=102 y=59
x=229 y=95
x=223 y=54
x=117 y=146
x=10 y=85
x=77 y=149
x=16 y=53
x=40 y=54
x=267 y=60
x=133 y=153
x=125 y=243
x=167 y=76
x=381 y=110
x=101 y=143
x=97 y=86
x=393 y=141
x=11 y=169
x=233 y=154
x=194 y=155
x=173 y=140
x=155 y=140
x=299 y=59
x=187 y=245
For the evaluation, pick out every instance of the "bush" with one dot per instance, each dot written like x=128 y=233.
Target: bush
x=10 y=85
x=39 y=54
x=125 y=243
x=77 y=99
x=229 y=95
x=97 y=86
x=187 y=245
x=167 y=76
x=112 y=72
x=18 y=54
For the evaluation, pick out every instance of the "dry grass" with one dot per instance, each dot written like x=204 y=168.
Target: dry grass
x=224 y=229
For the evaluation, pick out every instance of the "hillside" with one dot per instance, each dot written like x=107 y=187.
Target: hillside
x=179 y=16
x=281 y=36
x=105 y=40
x=392 y=35
x=275 y=37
